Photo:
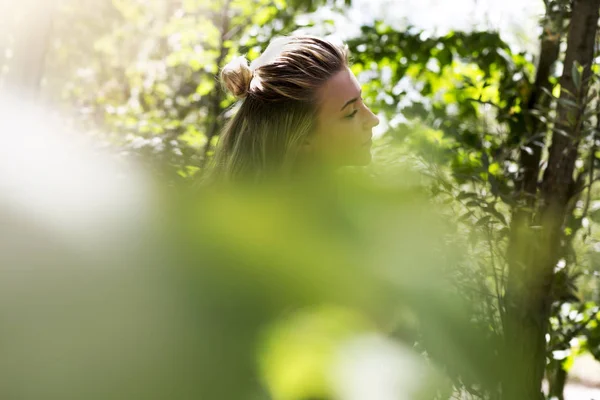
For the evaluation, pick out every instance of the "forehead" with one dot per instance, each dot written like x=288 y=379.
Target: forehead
x=340 y=88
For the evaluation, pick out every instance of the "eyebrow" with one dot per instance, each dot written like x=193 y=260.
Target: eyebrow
x=354 y=100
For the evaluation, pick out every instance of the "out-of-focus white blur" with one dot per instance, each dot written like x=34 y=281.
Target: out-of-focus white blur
x=61 y=184
x=375 y=367
x=65 y=206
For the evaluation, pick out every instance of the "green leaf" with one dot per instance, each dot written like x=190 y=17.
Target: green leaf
x=465 y=216
x=495 y=169
x=483 y=221
x=503 y=233
x=562 y=132
x=539 y=115
x=497 y=214
x=576 y=72
x=466 y=195
x=527 y=150
x=548 y=92
x=568 y=103
x=205 y=87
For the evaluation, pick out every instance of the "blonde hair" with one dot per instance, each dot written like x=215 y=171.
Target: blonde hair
x=278 y=106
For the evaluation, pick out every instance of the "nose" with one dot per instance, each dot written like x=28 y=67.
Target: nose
x=372 y=119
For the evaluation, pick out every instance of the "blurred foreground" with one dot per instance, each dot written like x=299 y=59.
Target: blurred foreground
x=118 y=285
x=476 y=277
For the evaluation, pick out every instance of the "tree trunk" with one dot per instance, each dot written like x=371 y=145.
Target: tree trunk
x=557 y=379
x=534 y=251
x=536 y=129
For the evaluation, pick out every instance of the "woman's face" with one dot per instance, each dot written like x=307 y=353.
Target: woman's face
x=344 y=123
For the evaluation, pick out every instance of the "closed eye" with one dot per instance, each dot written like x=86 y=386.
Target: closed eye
x=351 y=115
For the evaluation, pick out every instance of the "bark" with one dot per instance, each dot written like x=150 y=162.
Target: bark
x=557 y=380
x=529 y=161
x=549 y=51
x=534 y=251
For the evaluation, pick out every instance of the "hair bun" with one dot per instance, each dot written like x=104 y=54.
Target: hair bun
x=236 y=77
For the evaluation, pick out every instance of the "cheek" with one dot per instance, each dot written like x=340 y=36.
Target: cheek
x=346 y=134
x=337 y=140
x=341 y=141
x=344 y=144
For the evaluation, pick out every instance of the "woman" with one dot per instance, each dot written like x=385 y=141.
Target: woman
x=301 y=110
